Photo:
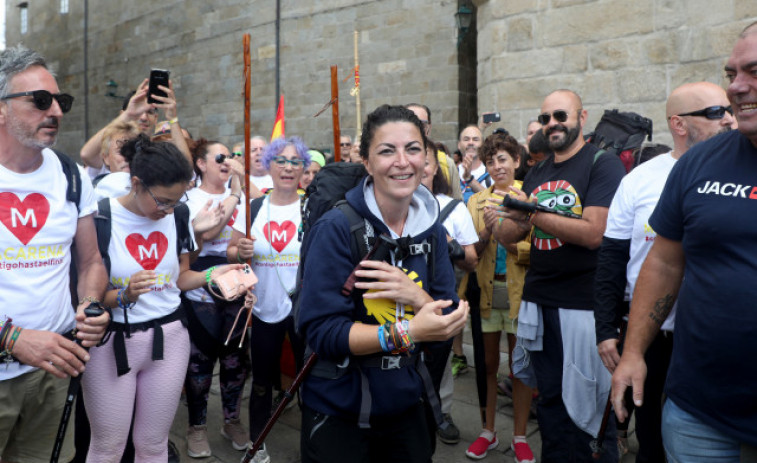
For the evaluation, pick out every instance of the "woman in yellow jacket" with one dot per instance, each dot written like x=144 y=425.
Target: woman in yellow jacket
x=500 y=273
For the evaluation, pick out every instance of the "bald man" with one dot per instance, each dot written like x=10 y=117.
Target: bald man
x=706 y=224
x=558 y=291
x=695 y=112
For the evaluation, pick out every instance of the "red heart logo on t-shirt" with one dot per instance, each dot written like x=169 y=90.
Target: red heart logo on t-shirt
x=279 y=235
x=24 y=218
x=148 y=252
x=233 y=217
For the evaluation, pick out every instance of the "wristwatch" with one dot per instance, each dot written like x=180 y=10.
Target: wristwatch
x=469 y=179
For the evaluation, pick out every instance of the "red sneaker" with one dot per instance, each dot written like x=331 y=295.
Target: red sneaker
x=480 y=447
x=523 y=453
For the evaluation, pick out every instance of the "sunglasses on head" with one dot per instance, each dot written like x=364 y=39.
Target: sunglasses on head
x=710 y=112
x=43 y=99
x=222 y=157
x=560 y=116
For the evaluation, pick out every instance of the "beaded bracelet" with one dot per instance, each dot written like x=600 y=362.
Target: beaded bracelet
x=122 y=300
x=208 y=274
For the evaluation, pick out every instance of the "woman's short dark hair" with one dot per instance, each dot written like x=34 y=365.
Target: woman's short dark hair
x=497 y=142
x=160 y=163
x=382 y=115
x=200 y=150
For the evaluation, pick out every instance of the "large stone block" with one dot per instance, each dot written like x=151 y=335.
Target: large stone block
x=492 y=39
x=575 y=58
x=659 y=48
x=649 y=85
x=547 y=61
x=610 y=54
x=520 y=34
x=745 y=10
x=587 y=22
x=710 y=71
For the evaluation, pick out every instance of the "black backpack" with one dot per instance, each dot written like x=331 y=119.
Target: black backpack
x=621 y=134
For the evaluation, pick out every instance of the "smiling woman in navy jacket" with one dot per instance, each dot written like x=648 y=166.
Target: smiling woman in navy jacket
x=365 y=399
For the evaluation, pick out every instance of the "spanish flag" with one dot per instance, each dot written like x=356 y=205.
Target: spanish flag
x=278 y=125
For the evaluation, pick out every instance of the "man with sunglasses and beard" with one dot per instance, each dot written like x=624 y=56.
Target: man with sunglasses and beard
x=695 y=112
x=39 y=226
x=558 y=293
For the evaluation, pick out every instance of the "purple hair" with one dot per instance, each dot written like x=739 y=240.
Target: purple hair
x=276 y=147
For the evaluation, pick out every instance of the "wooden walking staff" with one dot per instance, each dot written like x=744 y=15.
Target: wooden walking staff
x=356 y=93
x=335 y=113
x=247 y=80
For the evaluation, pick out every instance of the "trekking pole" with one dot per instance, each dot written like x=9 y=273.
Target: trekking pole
x=596 y=444
x=288 y=395
x=93 y=310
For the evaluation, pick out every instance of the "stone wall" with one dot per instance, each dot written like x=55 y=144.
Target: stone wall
x=614 y=53
x=407 y=48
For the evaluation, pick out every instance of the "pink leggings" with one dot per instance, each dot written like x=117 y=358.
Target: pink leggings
x=154 y=387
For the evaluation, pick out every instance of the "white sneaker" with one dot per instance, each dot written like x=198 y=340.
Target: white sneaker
x=261 y=456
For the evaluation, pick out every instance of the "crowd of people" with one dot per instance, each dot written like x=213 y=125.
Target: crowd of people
x=632 y=288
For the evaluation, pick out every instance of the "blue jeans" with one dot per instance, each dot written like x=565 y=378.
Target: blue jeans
x=689 y=440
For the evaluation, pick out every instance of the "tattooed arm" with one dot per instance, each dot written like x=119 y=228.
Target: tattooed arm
x=656 y=291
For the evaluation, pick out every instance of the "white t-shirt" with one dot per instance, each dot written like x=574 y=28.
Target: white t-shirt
x=113 y=185
x=139 y=243
x=264 y=182
x=37 y=227
x=217 y=246
x=459 y=223
x=276 y=259
x=628 y=217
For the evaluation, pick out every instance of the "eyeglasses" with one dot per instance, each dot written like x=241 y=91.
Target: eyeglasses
x=710 y=112
x=281 y=161
x=222 y=157
x=162 y=205
x=43 y=99
x=560 y=116
x=345 y=145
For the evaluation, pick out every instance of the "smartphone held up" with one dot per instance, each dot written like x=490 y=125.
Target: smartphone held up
x=157 y=77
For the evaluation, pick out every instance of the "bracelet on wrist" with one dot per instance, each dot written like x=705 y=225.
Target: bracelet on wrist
x=239 y=257
x=470 y=179
x=12 y=342
x=238 y=196
x=7 y=327
x=208 y=274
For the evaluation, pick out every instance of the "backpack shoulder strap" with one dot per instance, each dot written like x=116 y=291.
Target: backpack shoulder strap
x=361 y=231
x=73 y=176
x=183 y=235
x=448 y=209
x=255 y=206
x=102 y=227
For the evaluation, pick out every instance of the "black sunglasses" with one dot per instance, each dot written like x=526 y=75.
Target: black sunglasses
x=222 y=157
x=710 y=112
x=560 y=116
x=44 y=99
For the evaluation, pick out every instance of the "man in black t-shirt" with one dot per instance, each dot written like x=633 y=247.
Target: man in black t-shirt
x=557 y=296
